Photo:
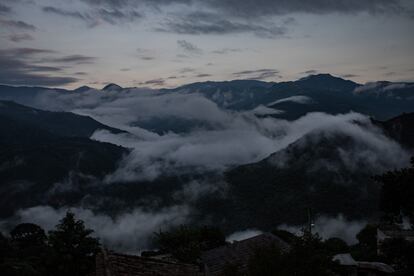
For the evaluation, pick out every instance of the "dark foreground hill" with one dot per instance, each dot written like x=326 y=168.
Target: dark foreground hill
x=330 y=174
x=41 y=151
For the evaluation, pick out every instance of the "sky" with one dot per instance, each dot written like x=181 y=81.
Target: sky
x=167 y=43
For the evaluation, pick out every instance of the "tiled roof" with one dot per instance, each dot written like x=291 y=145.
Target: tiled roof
x=114 y=264
x=381 y=267
x=345 y=259
x=238 y=253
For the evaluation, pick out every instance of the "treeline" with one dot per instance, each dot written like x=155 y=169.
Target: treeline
x=68 y=250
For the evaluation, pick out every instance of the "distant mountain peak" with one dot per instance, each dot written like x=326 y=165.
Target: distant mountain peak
x=327 y=81
x=82 y=88
x=322 y=76
x=112 y=87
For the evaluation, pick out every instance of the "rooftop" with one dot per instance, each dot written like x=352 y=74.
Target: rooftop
x=113 y=264
x=239 y=252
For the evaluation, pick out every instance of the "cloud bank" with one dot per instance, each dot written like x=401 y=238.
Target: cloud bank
x=127 y=233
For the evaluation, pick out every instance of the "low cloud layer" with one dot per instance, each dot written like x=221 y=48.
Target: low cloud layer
x=242 y=235
x=330 y=227
x=183 y=132
x=127 y=233
x=186 y=132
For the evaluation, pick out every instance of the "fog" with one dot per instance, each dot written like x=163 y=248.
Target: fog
x=210 y=139
x=130 y=232
x=330 y=227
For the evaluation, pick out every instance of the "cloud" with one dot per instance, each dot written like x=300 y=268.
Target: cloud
x=153 y=82
x=80 y=73
x=95 y=17
x=18 y=68
x=264 y=110
x=212 y=139
x=4 y=9
x=17 y=25
x=129 y=232
x=381 y=87
x=189 y=47
x=242 y=235
x=331 y=227
x=116 y=16
x=203 y=75
x=350 y=76
x=134 y=3
x=187 y=70
x=62 y=12
x=310 y=72
x=78 y=59
x=254 y=8
x=369 y=147
x=184 y=132
x=198 y=23
x=225 y=51
x=294 y=99
x=259 y=74
x=20 y=37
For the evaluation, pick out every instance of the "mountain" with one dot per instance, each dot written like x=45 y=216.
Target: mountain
x=327 y=82
x=25 y=95
x=81 y=89
x=400 y=128
x=330 y=173
x=58 y=123
x=325 y=93
x=235 y=94
x=307 y=174
x=386 y=89
x=112 y=87
x=42 y=151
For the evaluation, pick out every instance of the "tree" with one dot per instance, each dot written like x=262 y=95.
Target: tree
x=30 y=250
x=366 y=249
x=73 y=247
x=307 y=256
x=27 y=235
x=397 y=194
x=400 y=253
x=186 y=243
x=5 y=248
x=336 y=246
x=268 y=261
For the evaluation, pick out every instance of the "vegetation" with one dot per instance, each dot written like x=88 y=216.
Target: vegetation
x=308 y=255
x=186 y=243
x=398 y=194
x=67 y=250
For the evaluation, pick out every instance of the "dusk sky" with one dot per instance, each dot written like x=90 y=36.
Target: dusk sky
x=166 y=43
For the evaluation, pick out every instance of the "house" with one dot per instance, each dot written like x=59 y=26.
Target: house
x=357 y=268
x=348 y=264
x=238 y=253
x=214 y=261
x=392 y=232
x=113 y=264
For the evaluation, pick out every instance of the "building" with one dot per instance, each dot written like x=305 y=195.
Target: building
x=113 y=264
x=214 y=261
x=238 y=253
x=356 y=268
x=391 y=232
